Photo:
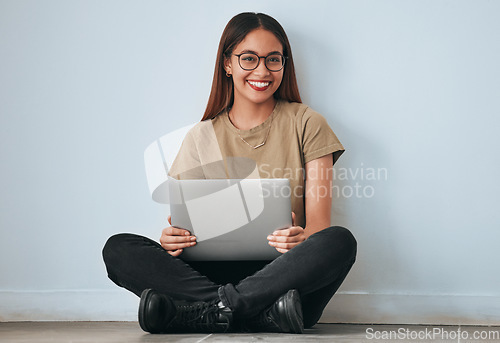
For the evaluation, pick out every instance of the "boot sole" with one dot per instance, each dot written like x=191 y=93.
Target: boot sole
x=145 y=295
x=293 y=311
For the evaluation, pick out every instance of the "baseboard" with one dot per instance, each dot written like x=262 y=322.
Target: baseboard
x=445 y=309
x=120 y=305
x=68 y=305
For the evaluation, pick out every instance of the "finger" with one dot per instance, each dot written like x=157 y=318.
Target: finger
x=291 y=231
x=285 y=239
x=174 y=231
x=177 y=239
x=283 y=245
x=170 y=247
x=293 y=218
x=282 y=250
x=169 y=220
x=282 y=232
x=175 y=253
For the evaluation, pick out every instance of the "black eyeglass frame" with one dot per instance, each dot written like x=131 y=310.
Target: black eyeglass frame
x=265 y=59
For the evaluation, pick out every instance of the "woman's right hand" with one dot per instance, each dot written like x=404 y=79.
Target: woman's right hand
x=174 y=240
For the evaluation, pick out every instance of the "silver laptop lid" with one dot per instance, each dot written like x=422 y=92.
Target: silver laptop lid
x=231 y=218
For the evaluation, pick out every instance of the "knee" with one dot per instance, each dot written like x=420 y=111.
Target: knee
x=114 y=247
x=339 y=239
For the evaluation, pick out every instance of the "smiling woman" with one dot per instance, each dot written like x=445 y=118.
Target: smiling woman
x=256 y=113
x=244 y=32
x=254 y=87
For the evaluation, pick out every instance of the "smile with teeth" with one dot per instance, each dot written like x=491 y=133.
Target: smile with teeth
x=259 y=84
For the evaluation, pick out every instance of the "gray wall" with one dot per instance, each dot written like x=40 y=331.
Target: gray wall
x=410 y=87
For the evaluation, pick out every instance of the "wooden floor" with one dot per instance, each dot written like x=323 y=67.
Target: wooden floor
x=106 y=332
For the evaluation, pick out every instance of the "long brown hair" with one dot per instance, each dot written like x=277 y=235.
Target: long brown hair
x=222 y=93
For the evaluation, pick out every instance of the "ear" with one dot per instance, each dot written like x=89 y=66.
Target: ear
x=228 y=65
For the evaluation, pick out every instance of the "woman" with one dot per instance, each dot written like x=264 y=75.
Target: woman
x=256 y=113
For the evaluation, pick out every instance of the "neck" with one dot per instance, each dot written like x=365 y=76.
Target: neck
x=247 y=115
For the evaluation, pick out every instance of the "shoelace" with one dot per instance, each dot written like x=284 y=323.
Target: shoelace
x=202 y=315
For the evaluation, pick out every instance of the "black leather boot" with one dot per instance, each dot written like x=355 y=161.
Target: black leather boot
x=159 y=313
x=285 y=315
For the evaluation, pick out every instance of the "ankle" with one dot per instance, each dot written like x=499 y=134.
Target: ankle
x=285 y=315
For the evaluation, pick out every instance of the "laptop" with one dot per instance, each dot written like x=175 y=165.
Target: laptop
x=231 y=218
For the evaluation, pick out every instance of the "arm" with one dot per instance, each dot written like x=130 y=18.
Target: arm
x=318 y=195
x=318 y=201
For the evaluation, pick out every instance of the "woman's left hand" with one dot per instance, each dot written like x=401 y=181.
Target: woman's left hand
x=286 y=239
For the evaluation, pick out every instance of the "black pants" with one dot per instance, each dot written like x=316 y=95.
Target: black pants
x=316 y=267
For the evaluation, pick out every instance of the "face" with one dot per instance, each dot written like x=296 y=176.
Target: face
x=256 y=86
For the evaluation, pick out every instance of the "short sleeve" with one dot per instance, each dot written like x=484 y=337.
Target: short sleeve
x=318 y=139
x=187 y=162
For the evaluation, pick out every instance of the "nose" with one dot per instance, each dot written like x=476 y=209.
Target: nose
x=261 y=68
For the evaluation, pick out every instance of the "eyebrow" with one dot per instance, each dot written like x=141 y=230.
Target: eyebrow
x=254 y=52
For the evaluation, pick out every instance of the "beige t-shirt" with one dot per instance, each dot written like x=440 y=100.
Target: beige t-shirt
x=294 y=134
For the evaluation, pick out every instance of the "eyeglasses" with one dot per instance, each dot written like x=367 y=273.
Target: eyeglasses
x=250 y=61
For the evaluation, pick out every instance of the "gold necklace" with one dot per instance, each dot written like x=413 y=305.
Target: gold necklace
x=265 y=138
